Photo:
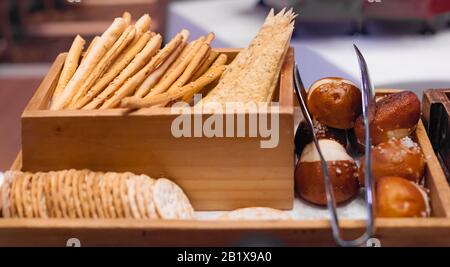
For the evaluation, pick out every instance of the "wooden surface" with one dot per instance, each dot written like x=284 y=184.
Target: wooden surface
x=216 y=173
x=56 y=232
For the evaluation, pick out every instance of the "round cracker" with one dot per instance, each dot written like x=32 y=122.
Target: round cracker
x=117 y=200
x=103 y=183
x=148 y=198
x=109 y=194
x=90 y=180
x=27 y=197
x=83 y=196
x=34 y=197
x=124 y=194
x=131 y=184
x=256 y=213
x=97 y=195
x=170 y=201
x=139 y=196
x=76 y=178
x=18 y=196
x=59 y=194
x=68 y=197
x=42 y=204
x=9 y=176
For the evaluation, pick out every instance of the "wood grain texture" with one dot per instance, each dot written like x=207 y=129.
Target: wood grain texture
x=74 y=129
x=118 y=232
x=220 y=173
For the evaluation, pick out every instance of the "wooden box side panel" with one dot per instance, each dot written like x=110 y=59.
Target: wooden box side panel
x=217 y=173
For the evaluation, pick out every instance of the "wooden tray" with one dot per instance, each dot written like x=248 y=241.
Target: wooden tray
x=436 y=113
x=216 y=173
x=434 y=231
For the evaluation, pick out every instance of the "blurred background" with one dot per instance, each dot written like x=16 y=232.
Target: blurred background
x=406 y=42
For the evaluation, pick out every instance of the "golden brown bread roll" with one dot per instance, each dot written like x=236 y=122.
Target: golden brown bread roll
x=335 y=102
x=396 y=116
x=402 y=158
x=341 y=168
x=398 y=197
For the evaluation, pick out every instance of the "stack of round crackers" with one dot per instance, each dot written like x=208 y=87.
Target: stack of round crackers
x=87 y=194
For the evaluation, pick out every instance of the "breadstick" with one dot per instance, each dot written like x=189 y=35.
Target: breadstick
x=193 y=64
x=183 y=56
x=127 y=17
x=126 y=37
x=89 y=48
x=99 y=49
x=206 y=64
x=220 y=61
x=211 y=75
x=142 y=25
x=172 y=74
x=140 y=60
x=115 y=69
x=129 y=87
x=154 y=77
x=70 y=65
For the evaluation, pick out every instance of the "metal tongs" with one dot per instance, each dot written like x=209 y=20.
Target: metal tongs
x=368 y=106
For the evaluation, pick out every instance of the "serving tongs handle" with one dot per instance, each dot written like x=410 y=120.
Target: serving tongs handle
x=331 y=202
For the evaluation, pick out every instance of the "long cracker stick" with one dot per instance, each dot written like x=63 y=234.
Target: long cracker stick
x=172 y=74
x=99 y=49
x=193 y=64
x=130 y=85
x=155 y=76
x=70 y=65
x=142 y=25
x=88 y=50
x=126 y=37
x=115 y=69
x=220 y=61
x=207 y=78
x=127 y=17
x=206 y=64
x=138 y=62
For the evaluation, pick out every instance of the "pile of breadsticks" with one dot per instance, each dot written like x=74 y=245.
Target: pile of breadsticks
x=126 y=64
x=86 y=194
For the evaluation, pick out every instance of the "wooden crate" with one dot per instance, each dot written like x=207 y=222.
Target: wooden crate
x=434 y=231
x=216 y=173
x=40 y=155
x=436 y=114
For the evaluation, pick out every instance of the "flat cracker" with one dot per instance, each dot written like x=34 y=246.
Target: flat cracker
x=58 y=198
x=109 y=194
x=9 y=176
x=26 y=196
x=124 y=194
x=97 y=195
x=257 y=214
x=148 y=198
x=131 y=184
x=170 y=201
x=82 y=194
x=68 y=196
x=76 y=178
x=117 y=199
x=40 y=196
x=139 y=196
x=104 y=194
x=34 y=197
x=90 y=180
x=18 y=196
